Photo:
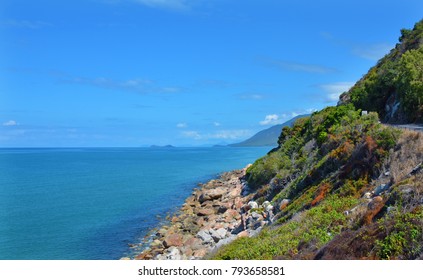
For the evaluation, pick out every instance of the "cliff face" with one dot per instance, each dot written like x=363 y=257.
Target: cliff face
x=394 y=87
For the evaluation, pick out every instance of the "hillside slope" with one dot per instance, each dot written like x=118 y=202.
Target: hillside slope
x=266 y=137
x=343 y=185
x=394 y=87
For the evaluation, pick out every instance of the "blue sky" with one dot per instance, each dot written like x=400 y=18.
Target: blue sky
x=181 y=72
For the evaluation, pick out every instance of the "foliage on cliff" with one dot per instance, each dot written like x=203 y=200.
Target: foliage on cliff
x=343 y=188
x=394 y=87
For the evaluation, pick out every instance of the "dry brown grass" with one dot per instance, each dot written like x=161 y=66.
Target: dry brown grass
x=407 y=155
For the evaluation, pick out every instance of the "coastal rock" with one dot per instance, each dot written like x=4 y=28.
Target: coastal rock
x=194 y=243
x=211 y=194
x=224 y=241
x=205 y=236
x=198 y=254
x=243 y=234
x=230 y=215
x=205 y=211
x=174 y=254
x=222 y=209
x=173 y=240
x=209 y=218
x=237 y=204
x=156 y=243
x=218 y=234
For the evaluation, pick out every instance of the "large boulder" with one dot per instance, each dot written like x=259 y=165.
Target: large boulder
x=173 y=240
x=205 y=236
x=211 y=194
x=174 y=254
x=205 y=212
x=218 y=234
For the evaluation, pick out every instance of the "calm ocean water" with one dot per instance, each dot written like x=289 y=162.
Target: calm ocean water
x=91 y=203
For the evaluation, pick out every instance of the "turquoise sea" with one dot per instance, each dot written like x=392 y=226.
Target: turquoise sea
x=90 y=203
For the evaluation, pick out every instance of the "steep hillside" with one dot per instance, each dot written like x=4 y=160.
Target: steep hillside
x=394 y=87
x=266 y=137
x=343 y=186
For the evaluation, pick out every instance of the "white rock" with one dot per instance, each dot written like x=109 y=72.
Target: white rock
x=269 y=208
x=367 y=195
x=265 y=204
x=253 y=205
x=174 y=254
x=218 y=234
x=205 y=236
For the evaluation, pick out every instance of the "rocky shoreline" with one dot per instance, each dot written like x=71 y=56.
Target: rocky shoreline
x=215 y=214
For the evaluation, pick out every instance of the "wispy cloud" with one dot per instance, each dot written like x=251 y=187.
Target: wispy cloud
x=214 y=83
x=175 y=5
x=218 y=135
x=370 y=51
x=181 y=125
x=30 y=24
x=333 y=90
x=274 y=119
x=270 y=120
x=192 y=134
x=216 y=124
x=10 y=123
x=296 y=66
x=250 y=96
x=142 y=86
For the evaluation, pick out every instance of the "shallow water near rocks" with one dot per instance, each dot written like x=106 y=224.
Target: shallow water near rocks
x=92 y=203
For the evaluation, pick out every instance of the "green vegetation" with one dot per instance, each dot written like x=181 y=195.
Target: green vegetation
x=405 y=237
x=342 y=182
x=394 y=87
x=312 y=228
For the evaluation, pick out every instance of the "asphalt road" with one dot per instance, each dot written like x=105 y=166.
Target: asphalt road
x=417 y=127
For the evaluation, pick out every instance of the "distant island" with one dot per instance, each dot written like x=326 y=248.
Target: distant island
x=161 y=147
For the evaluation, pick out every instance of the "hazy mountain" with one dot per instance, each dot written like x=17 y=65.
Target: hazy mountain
x=266 y=137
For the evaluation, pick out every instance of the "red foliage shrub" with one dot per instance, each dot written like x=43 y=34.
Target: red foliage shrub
x=321 y=193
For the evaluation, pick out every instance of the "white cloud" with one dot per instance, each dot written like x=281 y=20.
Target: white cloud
x=221 y=134
x=230 y=134
x=335 y=89
x=372 y=52
x=192 y=134
x=270 y=119
x=182 y=125
x=296 y=66
x=142 y=86
x=10 y=123
x=216 y=124
x=253 y=96
x=24 y=24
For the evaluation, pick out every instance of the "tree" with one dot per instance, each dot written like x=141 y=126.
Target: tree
x=410 y=83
